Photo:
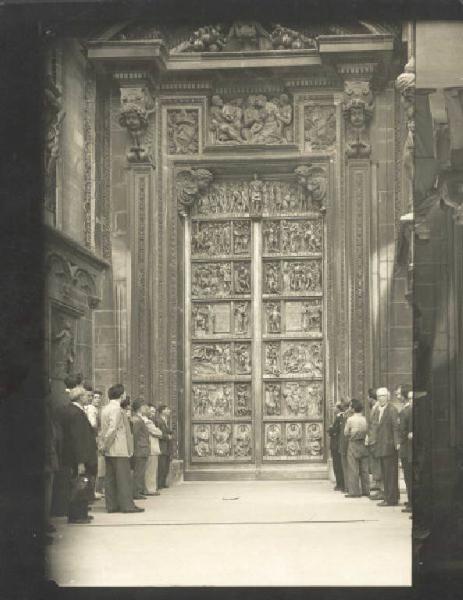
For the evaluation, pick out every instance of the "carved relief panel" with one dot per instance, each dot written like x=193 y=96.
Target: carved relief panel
x=255 y=119
x=319 y=128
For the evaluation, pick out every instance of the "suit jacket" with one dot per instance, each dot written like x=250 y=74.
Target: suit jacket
x=406 y=427
x=79 y=444
x=165 y=444
x=334 y=431
x=387 y=433
x=343 y=440
x=116 y=437
x=373 y=422
x=141 y=437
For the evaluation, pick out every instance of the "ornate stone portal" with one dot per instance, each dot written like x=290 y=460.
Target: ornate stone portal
x=245 y=161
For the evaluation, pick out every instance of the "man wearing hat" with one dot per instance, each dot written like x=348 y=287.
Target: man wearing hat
x=387 y=446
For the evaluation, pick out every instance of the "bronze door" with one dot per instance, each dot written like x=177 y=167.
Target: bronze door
x=254 y=323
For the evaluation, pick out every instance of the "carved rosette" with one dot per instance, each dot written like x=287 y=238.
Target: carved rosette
x=313 y=181
x=191 y=185
x=358 y=106
x=134 y=115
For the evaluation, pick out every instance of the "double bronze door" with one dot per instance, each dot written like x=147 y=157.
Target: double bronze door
x=255 y=328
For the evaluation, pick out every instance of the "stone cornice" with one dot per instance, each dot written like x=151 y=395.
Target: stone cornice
x=153 y=54
x=57 y=239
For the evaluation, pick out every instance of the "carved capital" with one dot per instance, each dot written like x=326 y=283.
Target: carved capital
x=137 y=105
x=313 y=181
x=191 y=185
x=358 y=106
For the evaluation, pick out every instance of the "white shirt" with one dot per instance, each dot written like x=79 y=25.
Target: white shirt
x=381 y=410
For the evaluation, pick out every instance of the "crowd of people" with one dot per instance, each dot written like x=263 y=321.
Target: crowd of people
x=117 y=450
x=366 y=449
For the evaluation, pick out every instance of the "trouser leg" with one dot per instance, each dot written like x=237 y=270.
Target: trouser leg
x=390 y=472
x=337 y=468
x=78 y=505
x=407 y=470
x=139 y=475
x=364 y=475
x=163 y=469
x=155 y=468
x=345 y=470
x=353 y=477
x=124 y=483
x=149 y=485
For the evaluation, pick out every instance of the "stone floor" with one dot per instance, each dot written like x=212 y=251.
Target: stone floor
x=247 y=533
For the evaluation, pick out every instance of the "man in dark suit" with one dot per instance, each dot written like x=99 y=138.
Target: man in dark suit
x=79 y=454
x=405 y=429
x=387 y=446
x=165 y=445
x=141 y=450
x=333 y=431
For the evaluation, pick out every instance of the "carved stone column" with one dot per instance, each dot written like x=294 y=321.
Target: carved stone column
x=358 y=108
x=137 y=106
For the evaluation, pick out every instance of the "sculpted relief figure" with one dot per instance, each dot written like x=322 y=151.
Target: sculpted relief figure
x=211 y=239
x=182 y=131
x=314 y=439
x=302 y=277
x=211 y=280
x=272 y=360
x=358 y=111
x=319 y=127
x=242 y=400
x=273 y=440
x=211 y=359
x=241 y=237
x=222 y=437
x=63 y=344
x=273 y=318
x=293 y=439
x=241 y=317
x=53 y=120
x=242 y=441
x=134 y=117
x=201 y=440
x=311 y=317
x=242 y=278
x=313 y=182
x=272 y=399
x=256 y=120
x=192 y=186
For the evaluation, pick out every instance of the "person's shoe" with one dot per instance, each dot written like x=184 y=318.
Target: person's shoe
x=336 y=488
x=113 y=510
x=351 y=495
x=80 y=521
x=148 y=493
x=376 y=497
x=91 y=517
x=135 y=509
x=50 y=528
x=407 y=509
x=367 y=495
x=157 y=494
x=384 y=503
x=139 y=497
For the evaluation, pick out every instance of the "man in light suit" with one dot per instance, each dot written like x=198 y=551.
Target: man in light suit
x=117 y=444
x=387 y=446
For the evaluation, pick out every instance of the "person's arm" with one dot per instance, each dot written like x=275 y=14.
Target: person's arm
x=395 y=428
x=153 y=430
x=347 y=428
x=111 y=431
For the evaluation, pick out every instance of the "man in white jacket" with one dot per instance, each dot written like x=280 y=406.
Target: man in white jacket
x=117 y=444
x=147 y=414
